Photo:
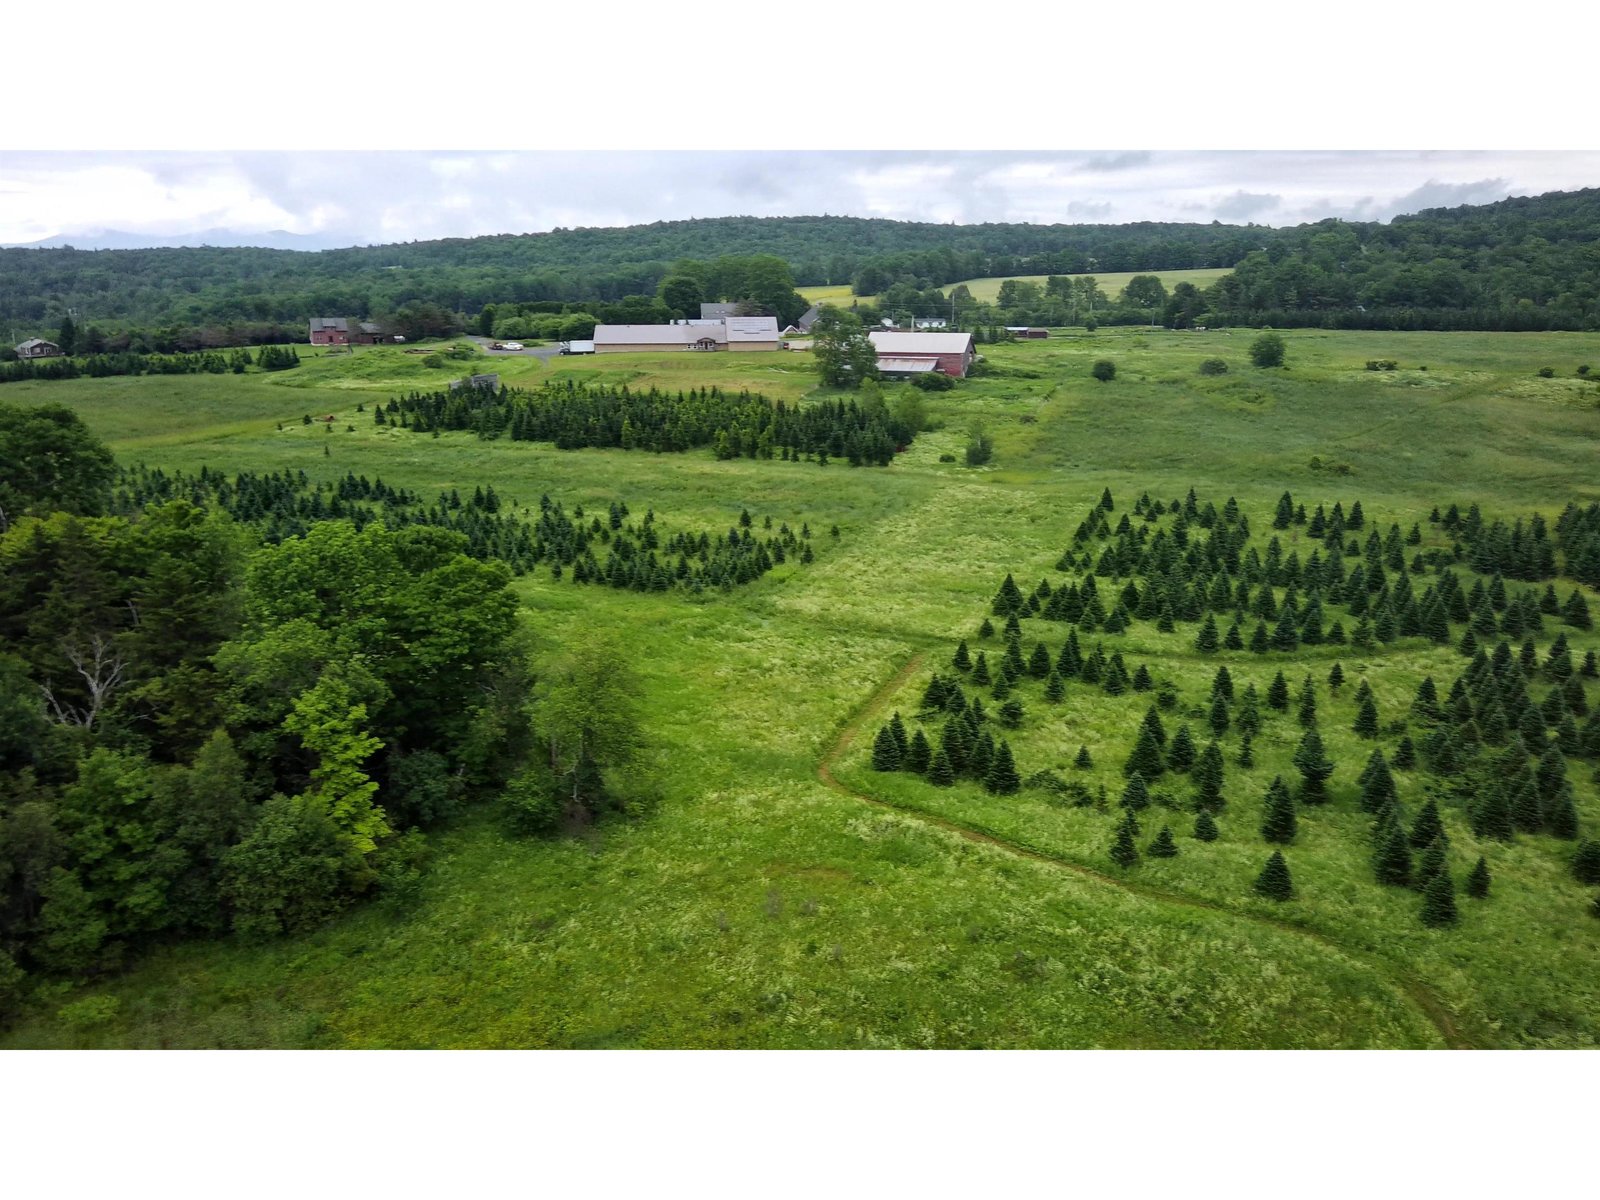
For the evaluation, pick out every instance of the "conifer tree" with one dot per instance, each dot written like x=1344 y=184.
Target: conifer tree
x=982 y=757
x=1366 y=722
x=1491 y=816
x=1207 y=641
x=1439 y=902
x=1336 y=677
x=940 y=771
x=1247 y=754
x=1278 y=821
x=1233 y=639
x=1205 y=827
x=1055 y=688
x=1164 y=846
x=1377 y=784
x=1135 y=794
x=1124 y=852
x=1308 y=703
x=918 y=754
x=1405 y=755
x=1428 y=827
x=1249 y=718
x=1141 y=679
x=1084 y=761
x=1314 y=767
x=897 y=729
x=963 y=657
x=885 y=754
x=1039 y=661
x=1274 y=882
x=1181 y=754
x=1002 y=778
x=1426 y=705
x=1392 y=863
x=1278 y=693
x=1260 y=641
x=1008 y=600
x=980 y=669
x=1586 y=861
x=1478 y=881
x=1011 y=713
x=1208 y=776
x=1219 y=716
x=1146 y=759
x=986 y=630
x=1561 y=815
x=1222 y=684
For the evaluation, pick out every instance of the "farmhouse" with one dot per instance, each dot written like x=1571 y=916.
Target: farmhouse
x=37 y=348
x=330 y=331
x=806 y=321
x=913 y=353
x=368 y=333
x=726 y=333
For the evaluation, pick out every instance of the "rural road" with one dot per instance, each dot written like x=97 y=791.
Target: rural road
x=484 y=343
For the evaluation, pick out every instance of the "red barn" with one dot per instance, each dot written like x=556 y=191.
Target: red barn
x=330 y=331
x=906 y=353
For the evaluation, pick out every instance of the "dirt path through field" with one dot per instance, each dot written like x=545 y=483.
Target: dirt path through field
x=1414 y=989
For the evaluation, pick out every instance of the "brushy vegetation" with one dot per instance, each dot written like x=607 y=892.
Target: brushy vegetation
x=755 y=906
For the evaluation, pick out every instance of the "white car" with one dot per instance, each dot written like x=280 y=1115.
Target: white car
x=512 y=346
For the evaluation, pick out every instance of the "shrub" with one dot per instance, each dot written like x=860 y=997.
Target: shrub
x=1267 y=350
x=532 y=801
x=1547 y=372
x=980 y=447
x=1381 y=364
x=1214 y=366
x=933 y=381
x=1104 y=370
x=947 y=458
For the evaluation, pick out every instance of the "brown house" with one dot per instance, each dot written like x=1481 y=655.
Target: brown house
x=38 y=348
x=913 y=353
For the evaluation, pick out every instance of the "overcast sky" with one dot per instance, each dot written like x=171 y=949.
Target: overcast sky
x=337 y=198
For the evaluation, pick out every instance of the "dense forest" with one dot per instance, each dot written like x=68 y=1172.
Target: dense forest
x=1527 y=263
x=237 y=702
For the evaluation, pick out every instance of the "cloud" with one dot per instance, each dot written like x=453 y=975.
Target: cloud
x=392 y=195
x=1242 y=205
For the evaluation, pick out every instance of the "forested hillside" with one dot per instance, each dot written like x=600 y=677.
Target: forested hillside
x=1526 y=263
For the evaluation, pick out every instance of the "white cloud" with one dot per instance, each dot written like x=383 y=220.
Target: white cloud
x=385 y=196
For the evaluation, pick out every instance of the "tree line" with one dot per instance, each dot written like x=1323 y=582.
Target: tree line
x=863 y=430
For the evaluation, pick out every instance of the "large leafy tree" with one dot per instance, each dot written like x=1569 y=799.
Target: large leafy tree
x=50 y=462
x=844 y=355
x=586 y=713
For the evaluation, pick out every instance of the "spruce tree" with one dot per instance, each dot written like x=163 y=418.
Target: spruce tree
x=1002 y=778
x=980 y=670
x=1181 y=754
x=1135 y=794
x=1011 y=713
x=1314 y=767
x=1439 y=902
x=1219 y=716
x=940 y=772
x=963 y=657
x=1055 y=688
x=1335 y=677
x=1586 y=861
x=1428 y=826
x=1274 y=882
x=1491 y=816
x=1434 y=861
x=1278 y=693
x=1405 y=755
x=1247 y=755
x=986 y=630
x=897 y=729
x=1164 y=846
x=1124 y=852
x=1205 y=827
x=1039 y=661
x=1208 y=776
x=1278 y=821
x=1392 y=863
x=1141 y=679
x=1084 y=761
x=918 y=754
x=1478 y=881
x=1260 y=641
x=1561 y=815
x=1377 y=784
x=982 y=757
x=885 y=753
x=1207 y=641
x=1366 y=722
x=1307 y=709
x=1146 y=758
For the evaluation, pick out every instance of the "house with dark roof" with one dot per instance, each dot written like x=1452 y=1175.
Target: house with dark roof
x=37 y=348
x=330 y=331
x=729 y=333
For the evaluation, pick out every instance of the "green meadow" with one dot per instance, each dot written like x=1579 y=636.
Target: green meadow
x=780 y=893
x=987 y=289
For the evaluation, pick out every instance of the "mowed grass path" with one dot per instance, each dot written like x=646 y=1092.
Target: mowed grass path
x=756 y=907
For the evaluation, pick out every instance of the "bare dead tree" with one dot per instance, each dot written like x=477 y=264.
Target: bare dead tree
x=101 y=666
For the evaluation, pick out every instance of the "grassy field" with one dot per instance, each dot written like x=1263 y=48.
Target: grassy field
x=771 y=898
x=988 y=289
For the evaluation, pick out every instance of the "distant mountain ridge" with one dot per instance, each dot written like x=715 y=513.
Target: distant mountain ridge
x=118 y=239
